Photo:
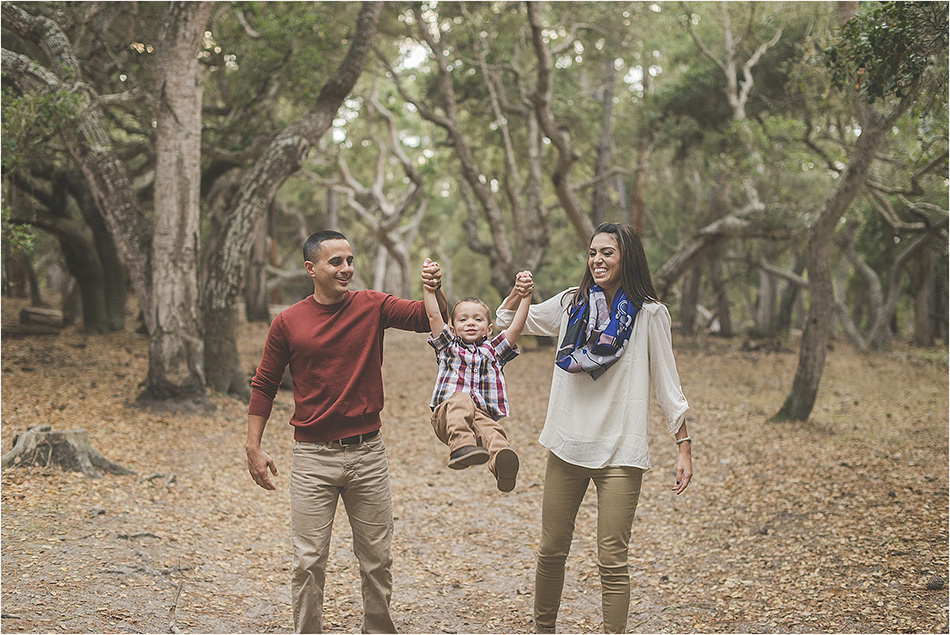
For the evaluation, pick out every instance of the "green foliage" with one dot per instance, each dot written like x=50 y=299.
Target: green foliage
x=16 y=236
x=691 y=106
x=28 y=122
x=886 y=50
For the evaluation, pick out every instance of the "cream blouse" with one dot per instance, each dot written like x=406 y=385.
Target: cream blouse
x=605 y=422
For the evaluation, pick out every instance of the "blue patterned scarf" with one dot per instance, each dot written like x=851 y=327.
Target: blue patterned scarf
x=596 y=334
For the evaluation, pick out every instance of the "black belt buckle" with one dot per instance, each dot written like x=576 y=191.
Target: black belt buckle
x=356 y=439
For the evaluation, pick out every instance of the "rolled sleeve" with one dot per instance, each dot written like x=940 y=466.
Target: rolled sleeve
x=442 y=341
x=504 y=351
x=663 y=373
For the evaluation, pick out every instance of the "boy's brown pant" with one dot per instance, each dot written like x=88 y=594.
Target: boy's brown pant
x=457 y=423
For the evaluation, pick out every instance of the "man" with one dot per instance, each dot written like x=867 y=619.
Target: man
x=333 y=342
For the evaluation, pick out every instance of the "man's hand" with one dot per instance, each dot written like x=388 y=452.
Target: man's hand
x=431 y=275
x=258 y=464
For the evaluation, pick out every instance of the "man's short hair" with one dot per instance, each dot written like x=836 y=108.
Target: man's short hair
x=312 y=245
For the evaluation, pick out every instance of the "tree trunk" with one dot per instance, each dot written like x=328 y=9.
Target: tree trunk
x=924 y=302
x=256 y=298
x=90 y=277
x=723 y=312
x=227 y=267
x=765 y=322
x=176 y=355
x=600 y=199
x=942 y=307
x=689 y=300
x=89 y=253
x=640 y=172
x=821 y=311
x=226 y=374
x=788 y=299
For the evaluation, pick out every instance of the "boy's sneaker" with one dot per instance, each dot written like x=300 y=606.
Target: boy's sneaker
x=467 y=455
x=506 y=469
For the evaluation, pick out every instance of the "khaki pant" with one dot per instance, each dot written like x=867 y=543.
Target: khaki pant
x=618 y=490
x=457 y=423
x=321 y=474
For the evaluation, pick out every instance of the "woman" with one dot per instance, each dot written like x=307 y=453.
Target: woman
x=615 y=342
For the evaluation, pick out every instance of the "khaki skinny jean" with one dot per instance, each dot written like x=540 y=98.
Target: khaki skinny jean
x=618 y=490
x=321 y=474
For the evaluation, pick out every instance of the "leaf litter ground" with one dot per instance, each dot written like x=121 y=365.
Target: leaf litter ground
x=834 y=525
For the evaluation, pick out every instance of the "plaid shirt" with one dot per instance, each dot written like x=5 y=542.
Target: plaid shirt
x=473 y=368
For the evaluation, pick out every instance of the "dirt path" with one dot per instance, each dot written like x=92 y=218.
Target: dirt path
x=831 y=526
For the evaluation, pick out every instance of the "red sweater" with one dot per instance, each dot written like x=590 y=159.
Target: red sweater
x=335 y=354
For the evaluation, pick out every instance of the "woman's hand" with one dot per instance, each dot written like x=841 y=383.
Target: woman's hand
x=684 y=467
x=524 y=283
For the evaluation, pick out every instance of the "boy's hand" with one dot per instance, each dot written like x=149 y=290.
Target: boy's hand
x=431 y=275
x=524 y=283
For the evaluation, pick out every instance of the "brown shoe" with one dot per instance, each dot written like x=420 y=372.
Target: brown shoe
x=467 y=455
x=506 y=469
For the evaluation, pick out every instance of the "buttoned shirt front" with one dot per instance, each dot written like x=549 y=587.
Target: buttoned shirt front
x=475 y=369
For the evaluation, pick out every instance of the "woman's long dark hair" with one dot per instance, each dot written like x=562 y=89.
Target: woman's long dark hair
x=635 y=279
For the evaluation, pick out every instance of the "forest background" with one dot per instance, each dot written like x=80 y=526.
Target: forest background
x=785 y=163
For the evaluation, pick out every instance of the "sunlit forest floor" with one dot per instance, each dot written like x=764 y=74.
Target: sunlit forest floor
x=835 y=525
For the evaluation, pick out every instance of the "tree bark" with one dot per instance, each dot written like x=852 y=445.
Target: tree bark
x=924 y=301
x=176 y=355
x=723 y=311
x=789 y=296
x=689 y=301
x=600 y=199
x=765 y=317
x=227 y=266
x=257 y=296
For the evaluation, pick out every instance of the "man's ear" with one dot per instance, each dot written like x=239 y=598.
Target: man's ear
x=308 y=267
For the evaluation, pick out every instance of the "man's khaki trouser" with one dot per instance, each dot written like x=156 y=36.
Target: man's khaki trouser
x=618 y=490
x=321 y=474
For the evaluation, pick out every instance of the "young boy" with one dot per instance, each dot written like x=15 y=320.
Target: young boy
x=469 y=395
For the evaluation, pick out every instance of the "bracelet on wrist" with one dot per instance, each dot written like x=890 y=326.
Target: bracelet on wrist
x=685 y=439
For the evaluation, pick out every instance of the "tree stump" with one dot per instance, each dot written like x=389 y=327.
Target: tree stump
x=68 y=449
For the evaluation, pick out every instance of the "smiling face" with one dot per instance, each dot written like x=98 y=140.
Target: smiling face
x=331 y=271
x=471 y=321
x=603 y=261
